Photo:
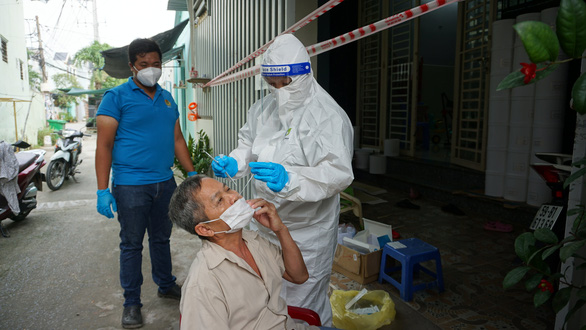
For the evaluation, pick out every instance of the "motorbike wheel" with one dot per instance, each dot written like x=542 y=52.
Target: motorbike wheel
x=56 y=173
x=20 y=216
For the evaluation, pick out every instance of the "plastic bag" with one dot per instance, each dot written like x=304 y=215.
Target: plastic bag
x=345 y=230
x=371 y=301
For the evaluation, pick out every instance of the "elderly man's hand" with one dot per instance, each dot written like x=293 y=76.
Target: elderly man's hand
x=267 y=215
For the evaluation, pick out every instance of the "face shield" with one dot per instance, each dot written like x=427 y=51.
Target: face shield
x=286 y=74
x=284 y=82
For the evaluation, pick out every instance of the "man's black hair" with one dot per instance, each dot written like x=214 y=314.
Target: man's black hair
x=142 y=46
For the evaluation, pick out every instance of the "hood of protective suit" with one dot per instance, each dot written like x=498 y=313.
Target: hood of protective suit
x=288 y=50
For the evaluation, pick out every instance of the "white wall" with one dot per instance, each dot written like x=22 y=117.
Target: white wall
x=30 y=116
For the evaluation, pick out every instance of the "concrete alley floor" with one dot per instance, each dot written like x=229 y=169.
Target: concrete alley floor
x=59 y=269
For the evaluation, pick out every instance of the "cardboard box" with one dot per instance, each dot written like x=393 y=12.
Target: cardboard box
x=362 y=268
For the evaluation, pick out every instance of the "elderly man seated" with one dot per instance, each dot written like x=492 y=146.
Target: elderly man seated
x=235 y=279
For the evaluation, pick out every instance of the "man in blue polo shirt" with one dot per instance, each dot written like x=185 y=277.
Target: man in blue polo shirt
x=138 y=137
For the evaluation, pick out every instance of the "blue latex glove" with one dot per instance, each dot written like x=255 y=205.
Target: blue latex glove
x=223 y=164
x=273 y=174
x=105 y=199
x=192 y=173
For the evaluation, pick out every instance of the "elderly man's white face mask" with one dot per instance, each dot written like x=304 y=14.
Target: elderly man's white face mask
x=237 y=216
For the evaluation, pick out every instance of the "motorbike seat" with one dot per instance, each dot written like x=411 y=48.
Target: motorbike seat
x=25 y=159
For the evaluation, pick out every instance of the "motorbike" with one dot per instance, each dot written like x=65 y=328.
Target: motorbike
x=64 y=162
x=554 y=169
x=30 y=181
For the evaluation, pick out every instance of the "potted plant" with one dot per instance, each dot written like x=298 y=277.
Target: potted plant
x=196 y=148
x=534 y=248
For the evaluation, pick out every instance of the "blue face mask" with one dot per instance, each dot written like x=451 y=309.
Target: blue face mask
x=237 y=216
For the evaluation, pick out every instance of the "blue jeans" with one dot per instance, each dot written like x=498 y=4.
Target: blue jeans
x=144 y=208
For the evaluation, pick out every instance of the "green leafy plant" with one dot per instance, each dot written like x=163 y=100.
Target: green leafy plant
x=543 y=44
x=534 y=248
x=201 y=161
x=44 y=132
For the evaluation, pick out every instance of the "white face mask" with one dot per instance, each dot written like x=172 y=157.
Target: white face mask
x=293 y=95
x=148 y=76
x=236 y=216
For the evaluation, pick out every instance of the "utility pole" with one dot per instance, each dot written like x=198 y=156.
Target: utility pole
x=96 y=31
x=42 y=56
x=44 y=72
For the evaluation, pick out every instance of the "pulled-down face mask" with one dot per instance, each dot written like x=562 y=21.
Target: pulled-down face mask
x=237 y=216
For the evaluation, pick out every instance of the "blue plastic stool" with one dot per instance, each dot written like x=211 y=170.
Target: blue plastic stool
x=414 y=252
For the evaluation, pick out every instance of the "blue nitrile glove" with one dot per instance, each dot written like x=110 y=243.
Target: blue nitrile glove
x=105 y=199
x=273 y=174
x=192 y=173
x=223 y=164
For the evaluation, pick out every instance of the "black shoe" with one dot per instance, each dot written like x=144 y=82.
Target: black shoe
x=406 y=204
x=131 y=317
x=451 y=208
x=173 y=293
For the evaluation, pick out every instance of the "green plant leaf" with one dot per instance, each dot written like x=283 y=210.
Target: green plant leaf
x=532 y=282
x=579 y=95
x=514 y=276
x=578 y=174
x=571 y=27
x=541 y=297
x=545 y=235
x=516 y=79
x=569 y=249
x=550 y=251
x=541 y=266
x=561 y=298
x=574 y=309
x=574 y=211
x=522 y=244
x=539 y=40
x=581 y=294
x=579 y=227
x=580 y=162
x=513 y=79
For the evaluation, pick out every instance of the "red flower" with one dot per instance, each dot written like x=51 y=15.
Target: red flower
x=544 y=285
x=529 y=71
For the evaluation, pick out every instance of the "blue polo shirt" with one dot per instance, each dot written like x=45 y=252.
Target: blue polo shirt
x=144 y=147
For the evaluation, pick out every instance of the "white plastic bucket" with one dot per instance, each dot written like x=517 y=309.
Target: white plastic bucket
x=378 y=164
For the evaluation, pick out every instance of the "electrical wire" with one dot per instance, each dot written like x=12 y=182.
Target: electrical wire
x=58 y=68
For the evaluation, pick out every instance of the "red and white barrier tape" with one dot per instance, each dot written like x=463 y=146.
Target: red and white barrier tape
x=295 y=27
x=384 y=24
x=347 y=37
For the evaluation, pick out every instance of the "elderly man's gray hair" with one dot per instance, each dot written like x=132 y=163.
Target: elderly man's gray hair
x=185 y=210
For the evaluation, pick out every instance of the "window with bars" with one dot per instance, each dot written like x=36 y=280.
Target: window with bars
x=4 y=47
x=21 y=66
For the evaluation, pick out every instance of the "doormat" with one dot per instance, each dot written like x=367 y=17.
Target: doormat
x=368 y=199
x=367 y=188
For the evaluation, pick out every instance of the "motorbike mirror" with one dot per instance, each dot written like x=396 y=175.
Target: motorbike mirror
x=21 y=144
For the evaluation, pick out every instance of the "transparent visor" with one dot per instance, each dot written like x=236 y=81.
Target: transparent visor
x=274 y=77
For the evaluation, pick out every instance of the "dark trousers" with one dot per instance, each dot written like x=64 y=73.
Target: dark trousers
x=144 y=208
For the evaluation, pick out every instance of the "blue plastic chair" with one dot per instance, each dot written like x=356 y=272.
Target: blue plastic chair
x=410 y=257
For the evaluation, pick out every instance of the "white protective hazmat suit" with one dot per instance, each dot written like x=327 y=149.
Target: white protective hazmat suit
x=301 y=127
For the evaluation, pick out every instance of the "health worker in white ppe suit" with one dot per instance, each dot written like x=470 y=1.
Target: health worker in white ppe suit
x=298 y=144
